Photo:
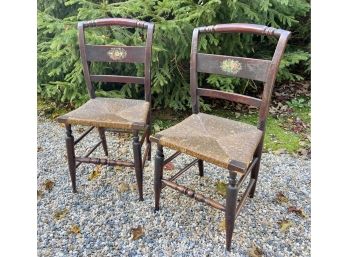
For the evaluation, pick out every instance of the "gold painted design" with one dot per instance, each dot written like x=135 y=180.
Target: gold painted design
x=117 y=53
x=231 y=66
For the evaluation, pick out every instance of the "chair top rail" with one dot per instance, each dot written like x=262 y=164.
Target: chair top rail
x=123 y=22
x=242 y=28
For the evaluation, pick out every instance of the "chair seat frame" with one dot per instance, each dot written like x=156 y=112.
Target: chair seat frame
x=90 y=53
x=232 y=207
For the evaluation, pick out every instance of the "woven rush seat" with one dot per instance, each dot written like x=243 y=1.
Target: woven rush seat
x=227 y=143
x=110 y=113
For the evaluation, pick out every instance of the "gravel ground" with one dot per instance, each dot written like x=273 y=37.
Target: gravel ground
x=98 y=220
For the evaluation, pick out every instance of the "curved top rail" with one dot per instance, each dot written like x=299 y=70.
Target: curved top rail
x=243 y=28
x=123 y=22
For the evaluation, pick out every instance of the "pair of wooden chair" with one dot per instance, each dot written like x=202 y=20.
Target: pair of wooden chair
x=229 y=144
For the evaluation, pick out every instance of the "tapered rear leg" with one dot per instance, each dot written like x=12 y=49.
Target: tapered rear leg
x=148 y=142
x=201 y=168
x=69 y=140
x=255 y=172
x=158 y=175
x=101 y=132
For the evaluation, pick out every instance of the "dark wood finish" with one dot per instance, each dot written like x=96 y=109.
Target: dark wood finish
x=245 y=196
x=234 y=97
x=158 y=175
x=93 y=148
x=193 y=72
x=179 y=173
x=83 y=135
x=103 y=161
x=143 y=137
x=101 y=132
x=100 y=53
x=119 y=79
x=107 y=53
x=250 y=68
x=172 y=157
x=138 y=164
x=147 y=66
x=231 y=205
x=190 y=193
x=115 y=130
x=244 y=177
x=85 y=65
x=146 y=153
x=69 y=140
x=201 y=168
x=255 y=69
x=242 y=28
x=147 y=74
x=149 y=152
x=90 y=152
x=130 y=54
x=122 y=22
x=256 y=168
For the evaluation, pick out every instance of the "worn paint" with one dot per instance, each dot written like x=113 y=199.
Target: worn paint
x=117 y=53
x=231 y=66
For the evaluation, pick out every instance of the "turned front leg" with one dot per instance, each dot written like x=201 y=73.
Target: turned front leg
x=231 y=207
x=138 y=164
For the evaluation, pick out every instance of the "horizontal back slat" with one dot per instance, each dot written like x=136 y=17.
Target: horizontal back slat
x=107 y=53
x=229 y=96
x=241 y=67
x=119 y=79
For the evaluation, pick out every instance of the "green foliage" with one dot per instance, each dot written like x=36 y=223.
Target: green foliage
x=60 y=76
x=277 y=137
x=298 y=103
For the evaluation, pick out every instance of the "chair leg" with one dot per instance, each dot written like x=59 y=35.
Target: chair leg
x=255 y=171
x=69 y=140
x=148 y=142
x=231 y=207
x=200 y=167
x=103 y=138
x=137 y=164
x=158 y=175
x=254 y=175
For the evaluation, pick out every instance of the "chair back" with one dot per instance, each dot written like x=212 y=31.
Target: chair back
x=248 y=68
x=112 y=53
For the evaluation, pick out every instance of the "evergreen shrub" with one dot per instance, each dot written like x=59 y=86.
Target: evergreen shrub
x=60 y=77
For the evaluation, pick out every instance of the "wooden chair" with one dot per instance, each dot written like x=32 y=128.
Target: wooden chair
x=122 y=115
x=226 y=143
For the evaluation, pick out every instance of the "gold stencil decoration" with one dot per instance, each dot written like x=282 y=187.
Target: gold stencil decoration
x=231 y=66
x=117 y=53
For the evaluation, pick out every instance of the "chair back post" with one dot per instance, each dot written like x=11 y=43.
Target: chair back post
x=148 y=54
x=139 y=55
x=85 y=65
x=261 y=70
x=193 y=72
x=272 y=74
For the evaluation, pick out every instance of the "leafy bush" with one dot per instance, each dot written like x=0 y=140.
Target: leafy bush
x=60 y=76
